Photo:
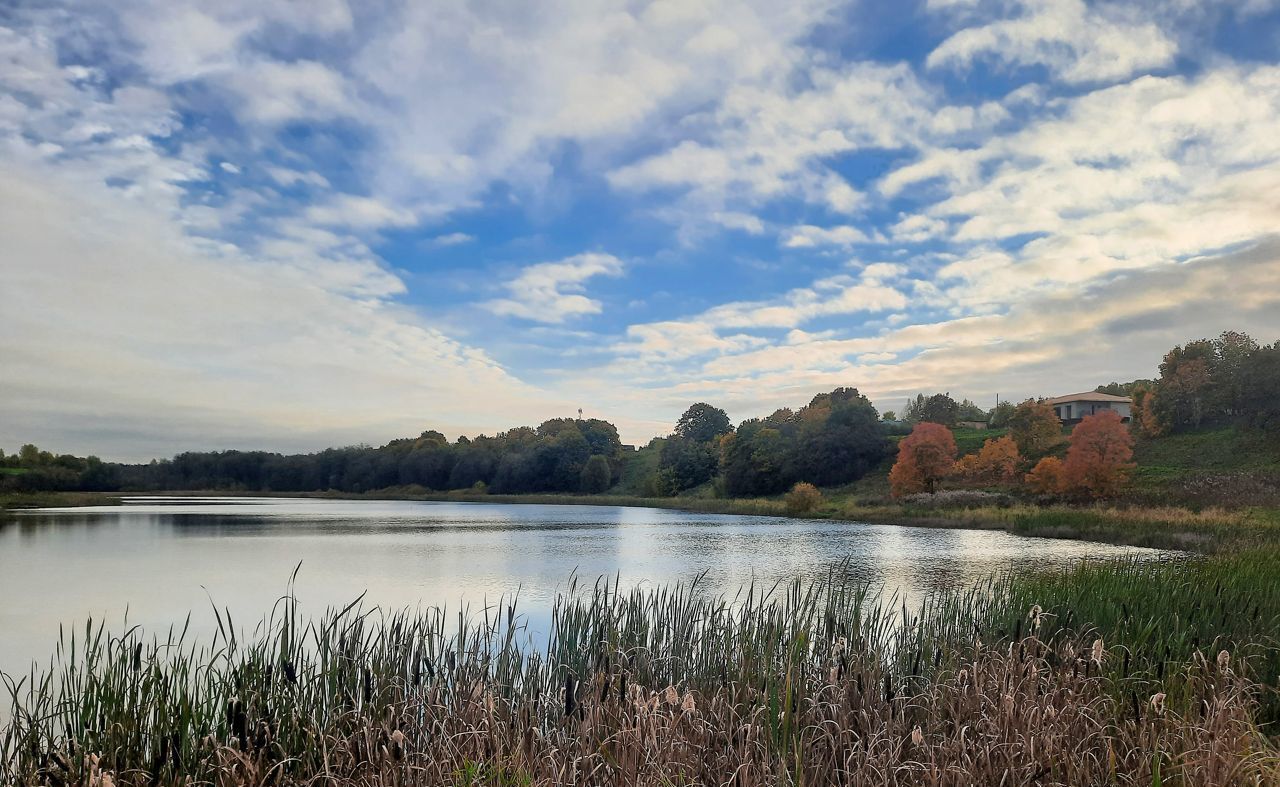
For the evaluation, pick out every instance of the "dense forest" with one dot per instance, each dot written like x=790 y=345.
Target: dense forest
x=834 y=439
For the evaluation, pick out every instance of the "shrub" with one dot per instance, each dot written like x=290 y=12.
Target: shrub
x=803 y=498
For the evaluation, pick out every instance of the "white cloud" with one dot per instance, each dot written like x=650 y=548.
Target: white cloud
x=1075 y=41
x=291 y=177
x=129 y=340
x=359 y=212
x=738 y=221
x=275 y=92
x=808 y=236
x=551 y=292
x=917 y=228
x=1071 y=339
x=452 y=239
x=769 y=140
x=1131 y=176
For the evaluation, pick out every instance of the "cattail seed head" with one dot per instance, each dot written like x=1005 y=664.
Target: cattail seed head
x=1099 y=650
x=1157 y=703
x=687 y=704
x=672 y=696
x=917 y=736
x=1224 y=661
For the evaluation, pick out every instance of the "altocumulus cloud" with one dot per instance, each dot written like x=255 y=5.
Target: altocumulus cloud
x=551 y=292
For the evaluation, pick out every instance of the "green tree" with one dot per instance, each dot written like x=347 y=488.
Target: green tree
x=597 y=476
x=968 y=411
x=1184 y=393
x=939 y=409
x=1259 y=400
x=840 y=438
x=1233 y=354
x=686 y=463
x=1035 y=427
x=999 y=416
x=757 y=459
x=703 y=423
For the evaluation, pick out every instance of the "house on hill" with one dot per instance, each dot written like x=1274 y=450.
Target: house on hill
x=1074 y=407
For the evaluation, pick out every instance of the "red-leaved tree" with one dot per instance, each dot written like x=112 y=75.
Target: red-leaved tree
x=925 y=457
x=1099 y=457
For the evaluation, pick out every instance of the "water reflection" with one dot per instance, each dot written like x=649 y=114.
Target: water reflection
x=160 y=559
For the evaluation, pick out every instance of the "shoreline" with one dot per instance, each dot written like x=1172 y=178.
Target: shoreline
x=1206 y=531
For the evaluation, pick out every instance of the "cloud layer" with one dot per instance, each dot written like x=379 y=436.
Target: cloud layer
x=287 y=225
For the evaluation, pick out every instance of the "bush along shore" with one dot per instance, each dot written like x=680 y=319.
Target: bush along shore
x=1116 y=672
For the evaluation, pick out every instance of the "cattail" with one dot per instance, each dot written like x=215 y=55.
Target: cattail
x=1034 y=616
x=1157 y=703
x=672 y=696
x=687 y=704
x=107 y=781
x=1224 y=661
x=839 y=646
x=917 y=736
x=1099 y=650
x=962 y=677
x=397 y=745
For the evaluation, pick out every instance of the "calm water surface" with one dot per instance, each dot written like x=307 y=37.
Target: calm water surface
x=160 y=558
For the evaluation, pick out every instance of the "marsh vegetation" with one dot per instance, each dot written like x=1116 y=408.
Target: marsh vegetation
x=1110 y=672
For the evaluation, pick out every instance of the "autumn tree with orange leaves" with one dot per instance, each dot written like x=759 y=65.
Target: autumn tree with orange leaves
x=1046 y=477
x=1099 y=457
x=925 y=457
x=996 y=463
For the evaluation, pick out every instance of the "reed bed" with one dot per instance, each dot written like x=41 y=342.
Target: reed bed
x=822 y=683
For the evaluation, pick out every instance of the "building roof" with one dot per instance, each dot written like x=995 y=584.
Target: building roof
x=1089 y=396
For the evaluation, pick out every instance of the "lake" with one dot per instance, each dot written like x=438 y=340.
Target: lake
x=162 y=558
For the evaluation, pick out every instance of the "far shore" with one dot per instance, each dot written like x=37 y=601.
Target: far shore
x=1210 y=530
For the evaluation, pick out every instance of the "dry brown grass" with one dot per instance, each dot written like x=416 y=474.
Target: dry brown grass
x=1026 y=714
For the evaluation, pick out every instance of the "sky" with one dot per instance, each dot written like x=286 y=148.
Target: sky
x=289 y=224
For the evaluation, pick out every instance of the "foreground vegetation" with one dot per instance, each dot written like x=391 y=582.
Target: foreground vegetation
x=1119 y=672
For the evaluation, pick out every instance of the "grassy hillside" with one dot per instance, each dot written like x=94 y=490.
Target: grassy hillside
x=637 y=468
x=1219 y=450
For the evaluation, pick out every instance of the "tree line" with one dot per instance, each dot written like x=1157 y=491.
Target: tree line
x=560 y=455
x=836 y=438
